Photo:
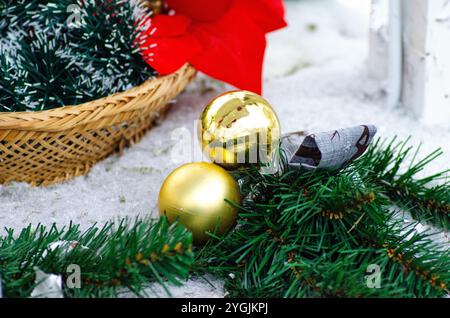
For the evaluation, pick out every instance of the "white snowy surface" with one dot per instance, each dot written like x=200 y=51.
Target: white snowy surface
x=206 y=286
x=333 y=91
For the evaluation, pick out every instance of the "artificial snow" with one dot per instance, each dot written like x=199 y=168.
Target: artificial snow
x=321 y=83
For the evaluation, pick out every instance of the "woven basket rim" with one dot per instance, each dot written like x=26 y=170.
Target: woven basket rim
x=72 y=115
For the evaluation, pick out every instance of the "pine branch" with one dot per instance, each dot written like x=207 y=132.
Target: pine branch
x=427 y=198
x=329 y=277
x=300 y=232
x=114 y=258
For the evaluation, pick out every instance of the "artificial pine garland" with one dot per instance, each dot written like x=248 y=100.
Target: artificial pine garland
x=314 y=234
x=300 y=234
x=427 y=198
x=51 y=56
x=115 y=258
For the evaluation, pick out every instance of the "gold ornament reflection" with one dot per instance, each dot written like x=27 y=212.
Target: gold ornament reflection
x=239 y=128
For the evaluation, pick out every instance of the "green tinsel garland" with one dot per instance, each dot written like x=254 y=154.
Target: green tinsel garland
x=66 y=52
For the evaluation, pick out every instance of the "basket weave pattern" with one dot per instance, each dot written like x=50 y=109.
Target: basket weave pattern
x=47 y=147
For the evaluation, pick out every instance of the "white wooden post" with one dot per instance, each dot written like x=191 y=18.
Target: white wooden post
x=385 y=54
x=395 y=53
x=417 y=52
x=378 y=39
x=426 y=69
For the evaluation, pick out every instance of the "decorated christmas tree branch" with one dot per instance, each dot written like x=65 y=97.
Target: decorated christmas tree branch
x=117 y=257
x=427 y=198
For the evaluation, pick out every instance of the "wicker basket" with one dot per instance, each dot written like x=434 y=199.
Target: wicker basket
x=47 y=147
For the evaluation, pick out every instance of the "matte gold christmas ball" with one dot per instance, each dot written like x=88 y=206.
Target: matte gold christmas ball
x=239 y=128
x=195 y=194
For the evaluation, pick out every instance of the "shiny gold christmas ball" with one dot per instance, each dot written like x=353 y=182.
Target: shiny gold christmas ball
x=195 y=194
x=239 y=128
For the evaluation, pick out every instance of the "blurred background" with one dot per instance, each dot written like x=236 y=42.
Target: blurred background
x=319 y=32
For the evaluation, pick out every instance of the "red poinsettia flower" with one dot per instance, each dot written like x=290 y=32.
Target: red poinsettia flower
x=225 y=39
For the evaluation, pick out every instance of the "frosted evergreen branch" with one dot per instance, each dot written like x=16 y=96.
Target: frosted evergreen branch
x=51 y=62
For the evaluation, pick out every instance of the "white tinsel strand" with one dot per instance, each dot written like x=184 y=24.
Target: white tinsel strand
x=47 y=285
